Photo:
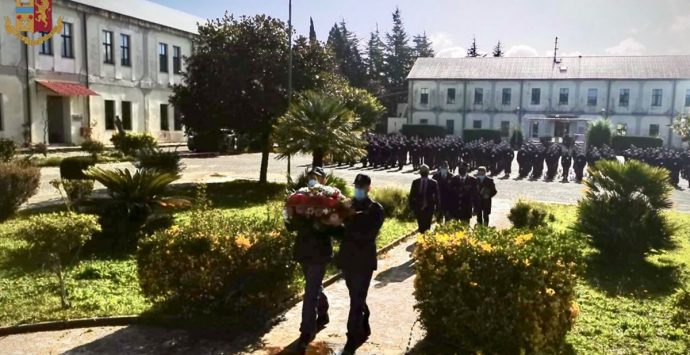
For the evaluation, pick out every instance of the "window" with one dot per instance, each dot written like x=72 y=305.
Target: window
x=127 y=115
x=165 y=124
x=592 y=97
x=478 y=96
x=450 y=127
x=424 y=97
x=563 y=97
x=656 y=97
x=67 y=40
x=687 y=98
x=507 y=97
x=535 y=129
x=622 y=129
x=177 y=60
x=536 y=96
x=163 y=57
x=451 y=96
x=109 y=115
x=424 y=121
x=47 y=46
x=108 y=47
x=177 y=120
x=477 y=124
x=125 y=51
x=653 y=130
x=505 y=128
x=624 y=99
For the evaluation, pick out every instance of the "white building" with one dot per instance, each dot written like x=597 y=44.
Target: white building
x=113 y=58
x=547 y=97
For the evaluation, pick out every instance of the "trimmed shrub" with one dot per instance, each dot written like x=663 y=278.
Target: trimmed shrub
x=93 y=147
x=486 y=134
x=7 y=150
x=73 y=168
x=157 y=159
x=18 y=182
x=56 y=239
x=219 y=262
x=77 y=190
x=681 y=303
x=394 y=202
x=497 y=291
x=130 y=144
x=423 y=131
x=599 y=133
x=526 y=216
x=621 y=143
x=516 y=139
x=622 y=209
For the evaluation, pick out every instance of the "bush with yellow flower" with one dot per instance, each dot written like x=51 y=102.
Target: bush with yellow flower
x=497 y=291
x=220 y=263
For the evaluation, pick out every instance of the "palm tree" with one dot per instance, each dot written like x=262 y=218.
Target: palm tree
x=320 y=125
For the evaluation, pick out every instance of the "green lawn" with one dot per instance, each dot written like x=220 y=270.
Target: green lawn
x=629 y=310
x=101 y=286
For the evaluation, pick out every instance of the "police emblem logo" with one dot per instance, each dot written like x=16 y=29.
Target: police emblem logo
x=33 y=16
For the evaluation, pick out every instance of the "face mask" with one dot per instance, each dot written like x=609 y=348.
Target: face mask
x=444 y=172
x=360 y=194
x=312 y=182
x=481 y=177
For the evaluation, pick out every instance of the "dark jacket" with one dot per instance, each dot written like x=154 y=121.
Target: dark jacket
x=313 y=246
x=467 y=194
x=358 y=247
x=489 y=187
x=448 y=200
x=417 y=196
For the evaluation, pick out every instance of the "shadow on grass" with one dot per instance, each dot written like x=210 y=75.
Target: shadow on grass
x=636 y=278
x=435 y=346
x=235 y=194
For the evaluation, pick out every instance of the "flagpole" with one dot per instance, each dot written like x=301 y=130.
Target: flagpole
x=289 y=71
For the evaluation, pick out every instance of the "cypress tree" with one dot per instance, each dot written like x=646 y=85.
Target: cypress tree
x=312 y=31
x=399 y=61
x=473 y=51
x=375 y=62
x=498 y=50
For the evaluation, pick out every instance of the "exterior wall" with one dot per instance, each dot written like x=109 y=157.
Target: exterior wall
x=142 y=84
x=638 y=115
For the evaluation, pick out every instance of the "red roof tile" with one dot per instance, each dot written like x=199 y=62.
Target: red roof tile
x=67 y=89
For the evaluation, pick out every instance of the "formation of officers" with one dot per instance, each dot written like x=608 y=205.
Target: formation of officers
x=535 y=160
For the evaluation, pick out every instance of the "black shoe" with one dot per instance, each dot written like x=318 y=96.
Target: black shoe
x=350 y=348
x=322 y=321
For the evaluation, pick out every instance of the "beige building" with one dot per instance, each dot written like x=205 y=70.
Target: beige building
x=547 y=97
x=113 y=58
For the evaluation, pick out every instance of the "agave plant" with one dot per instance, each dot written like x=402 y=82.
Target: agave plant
x=144 y=186
x=623 y=208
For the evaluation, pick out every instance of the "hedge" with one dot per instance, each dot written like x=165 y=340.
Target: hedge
x=73 y=168
x=477 y=134
x=497 y=291
x=423 y=131
x=621 y=143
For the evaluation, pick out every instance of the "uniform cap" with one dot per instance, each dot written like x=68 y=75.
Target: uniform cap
x=318 y=171
x=362 y=180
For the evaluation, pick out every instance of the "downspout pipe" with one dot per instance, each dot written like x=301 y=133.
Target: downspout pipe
x=28 y=129
x=86 y=66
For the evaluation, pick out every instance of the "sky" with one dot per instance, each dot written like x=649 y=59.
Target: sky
x=525 y=27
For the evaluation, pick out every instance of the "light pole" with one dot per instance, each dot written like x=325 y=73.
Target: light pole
x=289 y=72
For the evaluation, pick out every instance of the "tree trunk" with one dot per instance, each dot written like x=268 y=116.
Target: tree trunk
x=317 y=158
x=266 y=150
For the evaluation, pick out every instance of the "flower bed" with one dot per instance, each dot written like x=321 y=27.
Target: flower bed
x=497 y=291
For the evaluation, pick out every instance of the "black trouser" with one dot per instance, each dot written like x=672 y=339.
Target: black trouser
x=315 y=302
x=424 y=219
x=358 y=329
x=483 y=217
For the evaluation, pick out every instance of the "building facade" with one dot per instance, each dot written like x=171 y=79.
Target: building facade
x=113 y=58
x=547 y=97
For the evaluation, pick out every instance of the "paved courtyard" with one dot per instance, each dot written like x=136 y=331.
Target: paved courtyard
x=246 y=166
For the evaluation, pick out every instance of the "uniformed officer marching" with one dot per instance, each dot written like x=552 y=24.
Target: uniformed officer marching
x=357 y=259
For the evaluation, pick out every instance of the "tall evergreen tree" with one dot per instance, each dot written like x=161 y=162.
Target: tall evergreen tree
x=423 y=46
x=399 y=61
x=375 y=62
x=312 y=31
x=498 y=50
x=345 y=47
x=473 y=51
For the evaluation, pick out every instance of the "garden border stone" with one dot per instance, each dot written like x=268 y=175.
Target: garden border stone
x=134 y=319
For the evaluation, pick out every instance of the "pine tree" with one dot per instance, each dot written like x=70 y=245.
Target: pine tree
x=312 y=31
x=423 y=46
x=345 y=47
x=399 y=61
x=375 y=62
x=498 y=50
x=473 y=52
